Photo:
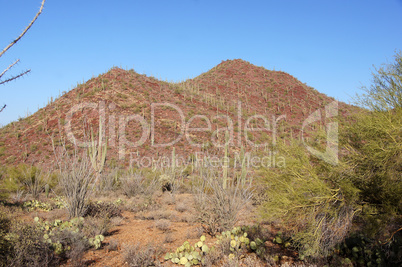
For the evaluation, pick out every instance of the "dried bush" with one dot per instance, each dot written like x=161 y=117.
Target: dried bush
x=76 y=176
x=139 y=256
x=163 y=225
x=113 y=245
x=137 y=184
x=159 y=214
x=78 y=245
x=94 y=226
x=212 y=258
x=230 y=262
x=108 y=181
x=33 y=181
x=169 y=238
x=168 y=198
x=141 y=204
x=25 y=245
x=218 y=206
x=181 y=207
x=103 y=209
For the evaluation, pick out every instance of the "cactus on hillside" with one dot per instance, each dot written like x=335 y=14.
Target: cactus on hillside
x=97 y=151
x=226 y=161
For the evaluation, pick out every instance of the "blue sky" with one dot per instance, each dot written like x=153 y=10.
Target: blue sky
x=330 y=45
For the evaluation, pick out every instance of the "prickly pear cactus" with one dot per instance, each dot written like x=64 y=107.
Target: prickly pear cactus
x=97 y=241
x=51 y=229
x=188 y=255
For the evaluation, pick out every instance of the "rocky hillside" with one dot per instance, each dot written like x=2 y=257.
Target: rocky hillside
x=144 y=117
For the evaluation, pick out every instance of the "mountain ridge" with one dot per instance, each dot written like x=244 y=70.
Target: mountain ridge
x=124 y=101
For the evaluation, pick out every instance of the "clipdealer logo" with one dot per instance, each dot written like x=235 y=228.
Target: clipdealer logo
x=117 y=129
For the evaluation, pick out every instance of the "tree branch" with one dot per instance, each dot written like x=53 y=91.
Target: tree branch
x=9 y=67
x=15 y=77
x=3 y=108
x=26 y=29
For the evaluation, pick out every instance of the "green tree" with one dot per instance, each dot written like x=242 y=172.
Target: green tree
x=374 y=142
x=317 y=202
x=385 y=91
x=311 y=198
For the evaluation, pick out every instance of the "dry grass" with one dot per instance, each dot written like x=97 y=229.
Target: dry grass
x=159 y=214
x=94 y=226
x=113 y=245
x=137 y=184
x=181 y=207
x=168 y=198
x=76 y=176
x=169 y=238
x=136 y=255
x=218 y=207
x=163 y=225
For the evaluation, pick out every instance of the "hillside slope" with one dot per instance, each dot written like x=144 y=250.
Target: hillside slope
x=145 y=117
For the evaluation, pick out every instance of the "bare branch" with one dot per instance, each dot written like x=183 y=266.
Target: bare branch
x=9 y=67
x=26 y=29
x=3 y=108
x=15 y=77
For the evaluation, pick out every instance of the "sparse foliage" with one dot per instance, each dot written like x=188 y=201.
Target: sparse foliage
x=9 y=79
x=135 y=183
x=13 y=43
x=385 y=92
x=218 y=204
x=138 y=255
x=76 y=176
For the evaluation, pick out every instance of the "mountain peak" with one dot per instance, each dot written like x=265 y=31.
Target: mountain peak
x=231 y=89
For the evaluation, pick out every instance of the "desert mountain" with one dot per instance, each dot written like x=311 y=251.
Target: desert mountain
x=144 y=117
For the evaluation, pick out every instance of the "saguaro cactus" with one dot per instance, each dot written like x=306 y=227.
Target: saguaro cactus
x=225 y=165
x=97 y=152
x=47 y=190
x=243 y=174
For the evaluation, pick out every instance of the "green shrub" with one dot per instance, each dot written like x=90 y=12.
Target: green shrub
x=29 y=248
x=311 y=198
x=375 y=142
x=317 y=202
x=28 y=178
x=3 y=190
x=5 y=246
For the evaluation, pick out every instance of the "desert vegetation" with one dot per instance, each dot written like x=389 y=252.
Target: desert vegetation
x=77 y=205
